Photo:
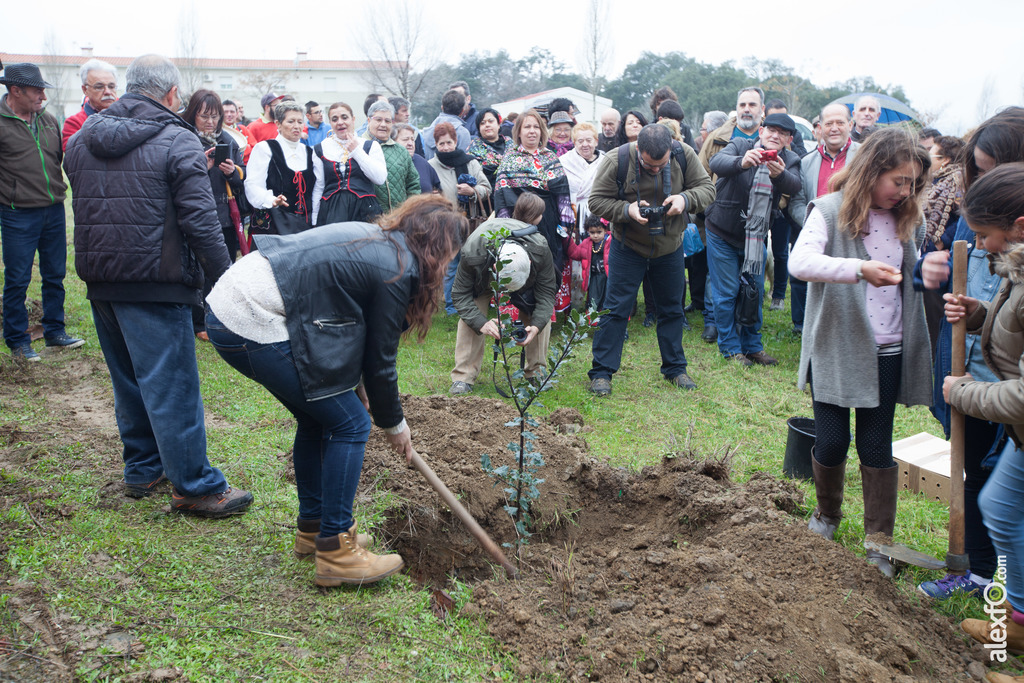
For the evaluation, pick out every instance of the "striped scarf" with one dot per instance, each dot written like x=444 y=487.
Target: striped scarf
x=759 y=210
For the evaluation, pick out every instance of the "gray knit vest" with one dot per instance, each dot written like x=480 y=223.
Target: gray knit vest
x=838 y=338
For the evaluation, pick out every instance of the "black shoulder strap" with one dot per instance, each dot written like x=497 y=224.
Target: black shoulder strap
x=319 y=149
x=367 y=145
x=680 y=156
x=620 y=174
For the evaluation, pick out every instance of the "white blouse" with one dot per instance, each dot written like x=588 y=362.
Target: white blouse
x=256 y=191
x=372 y=164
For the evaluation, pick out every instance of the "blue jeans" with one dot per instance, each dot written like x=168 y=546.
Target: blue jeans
x=449 y=279
x=626 y=270
x=798 y=299
x=709 y=297
x=724 y=264
x=150 y=351
x=1002 y=506
x=23 y=233
x=331 y=433
x=780 y=253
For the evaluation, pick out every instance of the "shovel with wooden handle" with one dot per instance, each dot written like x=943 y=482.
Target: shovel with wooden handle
x=462 y=513
x=956 y=560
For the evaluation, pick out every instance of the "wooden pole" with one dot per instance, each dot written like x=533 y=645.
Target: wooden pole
x=462 y=513
x=956 y=560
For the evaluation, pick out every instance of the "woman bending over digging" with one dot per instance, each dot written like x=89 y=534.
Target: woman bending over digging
x=316 y=318
x=865 y=343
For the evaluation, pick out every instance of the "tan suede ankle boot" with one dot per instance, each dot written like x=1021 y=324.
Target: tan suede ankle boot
x=309 y=529
x=339 y=559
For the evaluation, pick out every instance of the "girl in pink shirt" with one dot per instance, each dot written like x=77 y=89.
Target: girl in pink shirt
x=865 y=341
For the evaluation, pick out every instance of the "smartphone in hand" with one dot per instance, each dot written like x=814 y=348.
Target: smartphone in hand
x=220 y=154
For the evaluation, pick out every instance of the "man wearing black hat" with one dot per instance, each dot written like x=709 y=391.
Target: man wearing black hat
x=32 y=193
x=752 y=177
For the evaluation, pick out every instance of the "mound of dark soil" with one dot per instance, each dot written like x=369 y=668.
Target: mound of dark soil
x=671 y=573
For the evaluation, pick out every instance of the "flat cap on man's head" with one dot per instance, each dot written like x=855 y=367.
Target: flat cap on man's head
x=783 y=121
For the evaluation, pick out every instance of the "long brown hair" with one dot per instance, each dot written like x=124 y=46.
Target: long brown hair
x=433 y=231
x=884 y=150
x=1001 y=137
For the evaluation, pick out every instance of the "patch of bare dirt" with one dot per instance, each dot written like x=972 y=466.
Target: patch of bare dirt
x=670 y=573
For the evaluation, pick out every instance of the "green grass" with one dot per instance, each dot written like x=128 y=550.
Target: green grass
x=227 y=599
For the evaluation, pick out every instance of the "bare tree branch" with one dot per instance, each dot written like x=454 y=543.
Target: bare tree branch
x=259 y=83
x=986 y=98
x=189 y=51
x=55 y=74
x=596 y=50
x=400 y=49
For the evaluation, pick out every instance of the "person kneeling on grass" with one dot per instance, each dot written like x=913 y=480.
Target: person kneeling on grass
x=316 y=318
x=533 y=287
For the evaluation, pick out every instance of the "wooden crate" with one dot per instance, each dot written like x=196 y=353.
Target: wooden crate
x=924 y=463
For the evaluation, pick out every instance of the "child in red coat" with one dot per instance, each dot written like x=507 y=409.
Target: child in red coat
x=595 y=270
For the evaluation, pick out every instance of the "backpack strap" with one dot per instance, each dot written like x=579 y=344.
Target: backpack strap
x=620 y=174
x=679 y=154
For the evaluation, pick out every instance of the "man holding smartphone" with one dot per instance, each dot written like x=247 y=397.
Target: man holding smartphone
x=752 y=177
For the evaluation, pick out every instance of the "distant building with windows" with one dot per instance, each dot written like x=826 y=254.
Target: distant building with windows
x=241 y=80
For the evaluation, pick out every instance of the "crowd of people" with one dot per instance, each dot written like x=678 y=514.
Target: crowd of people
x=304 y=243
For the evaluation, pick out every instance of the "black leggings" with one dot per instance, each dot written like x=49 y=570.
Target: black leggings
x=874 y=425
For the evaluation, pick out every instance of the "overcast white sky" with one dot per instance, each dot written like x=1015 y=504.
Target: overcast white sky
x=961 y=57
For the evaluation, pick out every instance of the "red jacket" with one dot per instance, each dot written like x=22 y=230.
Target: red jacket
x=584 y=252
x=72 y=124
x=262 y=131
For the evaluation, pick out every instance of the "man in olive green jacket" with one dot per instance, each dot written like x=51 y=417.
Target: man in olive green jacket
x=655 y=179
x=32 y=193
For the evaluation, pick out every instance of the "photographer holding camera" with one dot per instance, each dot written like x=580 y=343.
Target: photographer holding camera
x=752 y=177
x=532 y=285
x=646 y=189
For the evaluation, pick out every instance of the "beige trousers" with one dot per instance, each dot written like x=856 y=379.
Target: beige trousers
x=469 y=346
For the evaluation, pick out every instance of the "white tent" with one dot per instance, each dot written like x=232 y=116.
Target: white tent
x=583 y=100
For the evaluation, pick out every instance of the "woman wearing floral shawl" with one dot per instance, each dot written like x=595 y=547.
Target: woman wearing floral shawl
x=532 y=167
x=490 y=146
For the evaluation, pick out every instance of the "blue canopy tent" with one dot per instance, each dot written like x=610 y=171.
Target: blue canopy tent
x=893 y=111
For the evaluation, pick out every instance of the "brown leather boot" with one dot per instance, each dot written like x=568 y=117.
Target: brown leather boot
x=340 y=560
x=828 y=485
x=309 y=529
x=880 y=488
x=999 y=625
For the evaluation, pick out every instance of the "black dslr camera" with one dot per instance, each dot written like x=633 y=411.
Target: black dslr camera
x=655 y=216
x=518 y=331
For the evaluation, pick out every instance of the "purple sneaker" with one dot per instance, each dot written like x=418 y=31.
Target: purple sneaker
x=944 y=588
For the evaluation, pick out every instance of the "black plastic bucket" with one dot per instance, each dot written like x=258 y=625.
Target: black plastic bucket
x=799 y=443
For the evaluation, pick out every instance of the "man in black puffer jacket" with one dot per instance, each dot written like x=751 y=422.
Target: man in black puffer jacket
x=146 y=232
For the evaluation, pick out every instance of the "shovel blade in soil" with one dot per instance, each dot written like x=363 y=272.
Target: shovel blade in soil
x=905 y=554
